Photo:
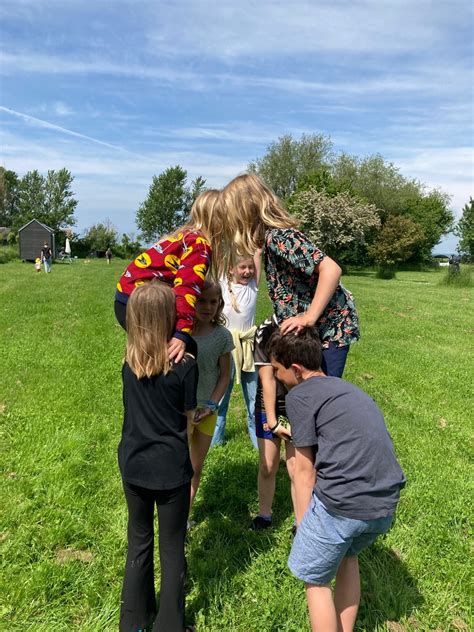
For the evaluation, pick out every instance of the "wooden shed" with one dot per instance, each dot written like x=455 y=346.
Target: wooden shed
x=32 y=237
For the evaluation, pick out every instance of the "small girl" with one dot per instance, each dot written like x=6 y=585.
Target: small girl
x=239 y=291
x=181 y=260
x=159 y=399
x=214 y=344
x=38 y=264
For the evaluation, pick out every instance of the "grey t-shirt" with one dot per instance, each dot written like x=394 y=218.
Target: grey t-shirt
x=210 y=349
x=358 y=475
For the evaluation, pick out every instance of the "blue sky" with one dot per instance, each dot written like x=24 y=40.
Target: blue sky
x=116 y=91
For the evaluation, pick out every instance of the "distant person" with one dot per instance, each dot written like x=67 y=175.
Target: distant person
x=454 y=264
x=108 y=255
x=46 y=257
x=214 y=344
x=182 y=260
x=159 y=401
x=240 y=291
x=347 y=479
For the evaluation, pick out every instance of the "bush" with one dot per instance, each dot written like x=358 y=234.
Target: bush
x=457 y=278
x=8 y=253
x=386 y=272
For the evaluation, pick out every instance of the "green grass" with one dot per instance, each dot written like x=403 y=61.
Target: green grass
x=64 y=518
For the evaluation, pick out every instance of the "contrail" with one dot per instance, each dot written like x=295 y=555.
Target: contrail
x=64 y=130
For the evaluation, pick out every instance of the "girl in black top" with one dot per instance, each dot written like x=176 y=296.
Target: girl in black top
x=159 y=399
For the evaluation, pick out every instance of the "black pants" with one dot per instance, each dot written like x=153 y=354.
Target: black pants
x=138 y=594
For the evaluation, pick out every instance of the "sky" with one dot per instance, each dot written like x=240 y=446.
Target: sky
x=116 y=91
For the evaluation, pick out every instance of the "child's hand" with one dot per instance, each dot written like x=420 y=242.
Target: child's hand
x=176 y=349
x=283 y=433
x=201 y=414
x=296 y=324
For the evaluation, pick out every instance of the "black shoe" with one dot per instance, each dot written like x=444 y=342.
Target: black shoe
x=294 y=529
x=259 y=523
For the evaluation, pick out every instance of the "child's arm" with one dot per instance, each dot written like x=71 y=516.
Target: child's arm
x=304 y=480
x=269 y=400
x=220 y=388
x=190 y=414
x=257 y=261
x=329 y=275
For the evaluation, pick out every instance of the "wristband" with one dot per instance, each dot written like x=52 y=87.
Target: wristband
x=273 y=428
x=212 y=405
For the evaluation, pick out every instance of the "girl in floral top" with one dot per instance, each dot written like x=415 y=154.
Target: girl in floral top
x=303 y=283
x=181 y=260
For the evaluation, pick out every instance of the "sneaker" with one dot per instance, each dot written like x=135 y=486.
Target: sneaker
x=293 y=529
x=259 y=523
x=190 y=525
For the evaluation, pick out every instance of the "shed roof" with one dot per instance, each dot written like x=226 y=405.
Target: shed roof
x=38 y=222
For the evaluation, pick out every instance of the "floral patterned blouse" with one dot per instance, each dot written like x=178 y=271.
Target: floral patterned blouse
x=290 y=265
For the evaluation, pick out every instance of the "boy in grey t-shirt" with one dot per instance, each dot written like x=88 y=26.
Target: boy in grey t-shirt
x=347 y=478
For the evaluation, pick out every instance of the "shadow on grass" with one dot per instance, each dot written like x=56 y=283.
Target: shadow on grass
x=221 y=545
x=389 y=591
x=360 y=273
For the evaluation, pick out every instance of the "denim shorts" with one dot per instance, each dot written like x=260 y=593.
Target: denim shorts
x=323 y=539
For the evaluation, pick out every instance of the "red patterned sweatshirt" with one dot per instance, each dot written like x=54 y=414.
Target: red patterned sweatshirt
x=181 y=262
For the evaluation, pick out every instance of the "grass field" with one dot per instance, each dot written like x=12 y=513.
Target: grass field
x=64 y=517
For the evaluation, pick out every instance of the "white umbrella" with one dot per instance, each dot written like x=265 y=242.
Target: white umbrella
x=67 y=247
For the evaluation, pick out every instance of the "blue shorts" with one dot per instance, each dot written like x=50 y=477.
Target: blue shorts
x=261 y=426
x=323 y=539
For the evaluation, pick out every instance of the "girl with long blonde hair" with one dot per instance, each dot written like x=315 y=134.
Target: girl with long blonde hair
x=159 y=398
x=304 y=288
x=182 y=259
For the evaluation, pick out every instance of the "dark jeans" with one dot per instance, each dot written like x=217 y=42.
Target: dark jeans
x=334 y=360
x=138 y=594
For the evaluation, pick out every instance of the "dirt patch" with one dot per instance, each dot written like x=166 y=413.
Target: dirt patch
x=63 y=556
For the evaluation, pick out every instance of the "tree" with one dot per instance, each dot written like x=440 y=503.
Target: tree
x=339 y=224
x=432 y=214
x=49 y=200
x=9 y=183
x=465 y=230
x=100 y=236
x=396 y=242
x=376 y=181
x=59 y=200
x=168 y=203
x=288 y=160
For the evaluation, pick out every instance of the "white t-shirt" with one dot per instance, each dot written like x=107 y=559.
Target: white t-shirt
x=246 y=297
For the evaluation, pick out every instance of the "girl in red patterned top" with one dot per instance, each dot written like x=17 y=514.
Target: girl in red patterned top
x=181 y=260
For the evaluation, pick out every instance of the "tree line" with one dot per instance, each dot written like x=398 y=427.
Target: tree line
x=361 y=211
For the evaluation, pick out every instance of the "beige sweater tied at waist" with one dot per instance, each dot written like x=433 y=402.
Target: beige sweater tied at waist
x=243 y=352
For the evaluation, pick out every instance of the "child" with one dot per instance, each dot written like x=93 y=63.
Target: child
x=181 y=260
x=108 y=255
x=38 y=264
x=269 y=409
x=302 y=281
x=347 y=479
x=159 y=399
x=214 y=344
x=239 y=291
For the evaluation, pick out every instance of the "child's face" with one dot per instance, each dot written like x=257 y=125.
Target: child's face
x=243 y=271
x=207 y=305
x=284 y=375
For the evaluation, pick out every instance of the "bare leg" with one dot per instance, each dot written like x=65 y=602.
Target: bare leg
x=199 y=445
x=322 y=613
x=347 y=593
x=269 y=451
x=290 y=467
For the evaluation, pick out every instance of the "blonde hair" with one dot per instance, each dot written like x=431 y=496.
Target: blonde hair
x=151 y=319
x=206 y=218
x=219 y=318
x=250 y=207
